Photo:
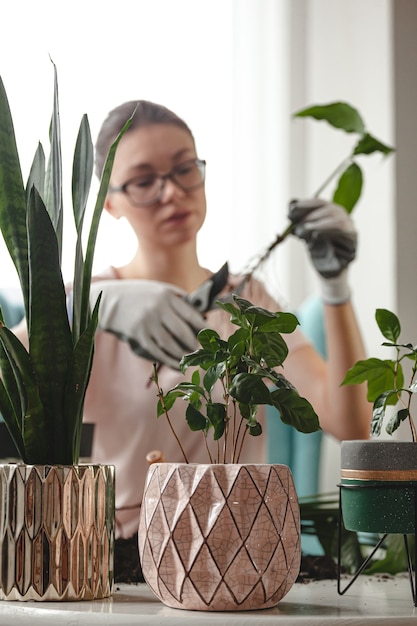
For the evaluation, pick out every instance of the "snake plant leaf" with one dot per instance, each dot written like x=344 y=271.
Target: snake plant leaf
x=77 y=382
x=11 y=419
x=35 y=443
x=11 y=396
x=12 y=194
x=37 y=173
x=338 y=114
x=369 y=144
x=349 y=187
x=82 y=171
x=53 y=179
x=48 y=326
x=82 y=280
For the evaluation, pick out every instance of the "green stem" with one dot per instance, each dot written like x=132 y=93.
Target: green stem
x=335 y=172
x=161 y=398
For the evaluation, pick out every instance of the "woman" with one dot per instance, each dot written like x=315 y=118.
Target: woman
x=157 y=184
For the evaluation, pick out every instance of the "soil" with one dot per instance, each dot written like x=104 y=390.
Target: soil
x=127 y=567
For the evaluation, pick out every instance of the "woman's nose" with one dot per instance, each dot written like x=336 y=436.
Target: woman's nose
x=169 y=189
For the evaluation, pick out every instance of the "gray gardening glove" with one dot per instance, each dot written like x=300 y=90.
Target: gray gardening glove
x=331 y=239
x=152 y=317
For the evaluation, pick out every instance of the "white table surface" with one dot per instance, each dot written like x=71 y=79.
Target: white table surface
x=373 y=600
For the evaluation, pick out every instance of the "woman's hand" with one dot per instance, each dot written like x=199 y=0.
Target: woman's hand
x=331 y=239
x=152 y=317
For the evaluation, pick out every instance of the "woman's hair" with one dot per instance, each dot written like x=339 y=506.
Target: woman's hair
x=146 y=113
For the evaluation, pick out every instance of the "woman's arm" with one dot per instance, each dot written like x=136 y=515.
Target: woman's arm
x=344 y=412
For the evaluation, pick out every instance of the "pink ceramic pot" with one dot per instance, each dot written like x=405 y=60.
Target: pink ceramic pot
x=219 y=537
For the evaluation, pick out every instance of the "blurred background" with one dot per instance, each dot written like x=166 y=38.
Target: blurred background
x=236 y=71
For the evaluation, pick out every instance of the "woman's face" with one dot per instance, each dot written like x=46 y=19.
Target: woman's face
x=177 y=216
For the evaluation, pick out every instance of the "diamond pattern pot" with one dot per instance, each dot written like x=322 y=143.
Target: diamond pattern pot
x=56 y=532
x=219 y=537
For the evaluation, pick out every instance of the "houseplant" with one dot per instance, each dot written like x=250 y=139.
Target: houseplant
x=379 y=478
x=224 y=535
x=56 y=516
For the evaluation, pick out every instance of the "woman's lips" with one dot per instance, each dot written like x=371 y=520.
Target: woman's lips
x=177 y=218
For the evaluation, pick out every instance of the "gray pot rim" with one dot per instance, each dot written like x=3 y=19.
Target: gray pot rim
x=375 y=454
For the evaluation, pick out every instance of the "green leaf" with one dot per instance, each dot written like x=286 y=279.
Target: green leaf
x=53 y=178
x=396 y=419
x=295 y=410
x=76 y=386
x=271 y=348
x=217 y=414
x=369 y=144
x=30 y=430
x=249 y=389
x=48 y=325
x=82 y=171
x=213 y=374
x=349 y=187
x=388 y=324
x=37 y=174
x=199 y=358
x=338 y=114
x=12 y=194
x=379 y=374
x=380 y=405
x=81 y=306
x=209 y=340
x=195 y=419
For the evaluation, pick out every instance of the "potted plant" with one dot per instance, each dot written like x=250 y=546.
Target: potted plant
x=225 y=535
x=379 y=477
x=56 y=516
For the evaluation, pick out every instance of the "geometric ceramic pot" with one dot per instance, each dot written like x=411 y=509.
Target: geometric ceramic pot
x=56 y=531
x=219 y=537
x=378 y=486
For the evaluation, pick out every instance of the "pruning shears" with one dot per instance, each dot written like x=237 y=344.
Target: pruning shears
x=204 y=297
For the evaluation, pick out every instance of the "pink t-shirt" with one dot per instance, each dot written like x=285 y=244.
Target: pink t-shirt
x=122 y=403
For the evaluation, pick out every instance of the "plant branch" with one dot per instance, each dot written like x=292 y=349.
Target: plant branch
x=161 y=399
x=335 y=172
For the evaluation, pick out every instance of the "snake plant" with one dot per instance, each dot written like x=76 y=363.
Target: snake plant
x=42 y=388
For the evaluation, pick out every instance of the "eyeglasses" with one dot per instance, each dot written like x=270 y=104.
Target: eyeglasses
x=147 y=189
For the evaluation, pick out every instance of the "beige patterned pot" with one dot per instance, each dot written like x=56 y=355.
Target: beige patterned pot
x=219 y=537
x=56 y=532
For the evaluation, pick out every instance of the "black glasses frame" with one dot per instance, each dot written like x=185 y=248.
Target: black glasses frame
x=200 y=163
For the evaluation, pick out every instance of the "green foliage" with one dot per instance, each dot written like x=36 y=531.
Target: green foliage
x=243 y=365
x=385 y=378
x=42 y=389
x=344 y=117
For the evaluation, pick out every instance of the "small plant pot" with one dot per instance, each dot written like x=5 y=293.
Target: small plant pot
x=219 y=537
x=378 y=486
x=56 y=532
